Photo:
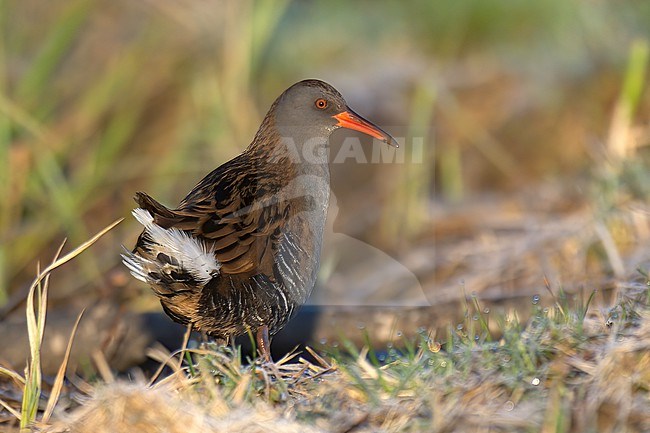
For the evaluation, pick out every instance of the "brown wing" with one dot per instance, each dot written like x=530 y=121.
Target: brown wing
x=235 y=210
x=243 y=235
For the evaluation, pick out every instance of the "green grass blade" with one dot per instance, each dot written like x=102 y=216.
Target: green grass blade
x=56 y=44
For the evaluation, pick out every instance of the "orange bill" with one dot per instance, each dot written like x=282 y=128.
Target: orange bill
x=351 y=120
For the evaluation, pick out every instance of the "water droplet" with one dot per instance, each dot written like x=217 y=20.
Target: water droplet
x=335 y=344
x=389 y=345
x=474 y=295
x=475 y=317
x=381 y=357
x=477 y=337
x=486 y=310
x=509 y=406
x=361 y=325
x=535 y=299
x=323 y=341
x=399 y=333
x=545 y=310
x=443 y=363
x=460 y=326
x=535 y=381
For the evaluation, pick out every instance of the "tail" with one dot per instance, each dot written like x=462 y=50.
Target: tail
x=168 y=259
x=162 y=216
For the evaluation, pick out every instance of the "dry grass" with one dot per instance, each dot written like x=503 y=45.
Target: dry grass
x=127 y=407
x=571 y=368
x=590 y=379
x=36 y=311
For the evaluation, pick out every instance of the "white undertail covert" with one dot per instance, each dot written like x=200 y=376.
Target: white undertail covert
x=189 y=254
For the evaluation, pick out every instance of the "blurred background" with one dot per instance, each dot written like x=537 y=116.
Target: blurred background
x=525 y=128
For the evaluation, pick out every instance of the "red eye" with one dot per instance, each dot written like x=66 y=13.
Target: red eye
x=321 y=103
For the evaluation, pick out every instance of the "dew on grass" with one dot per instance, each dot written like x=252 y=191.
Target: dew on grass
x=486 y=310
x=535 y=381
x=535 y=299
x=434 y=346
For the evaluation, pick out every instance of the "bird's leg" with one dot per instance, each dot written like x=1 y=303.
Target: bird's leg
x=204 y=338
x=263 y=344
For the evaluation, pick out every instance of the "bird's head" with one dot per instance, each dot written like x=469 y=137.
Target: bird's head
x=317 y=109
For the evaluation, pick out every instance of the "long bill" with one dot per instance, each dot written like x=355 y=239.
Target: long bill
x=351 y=120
